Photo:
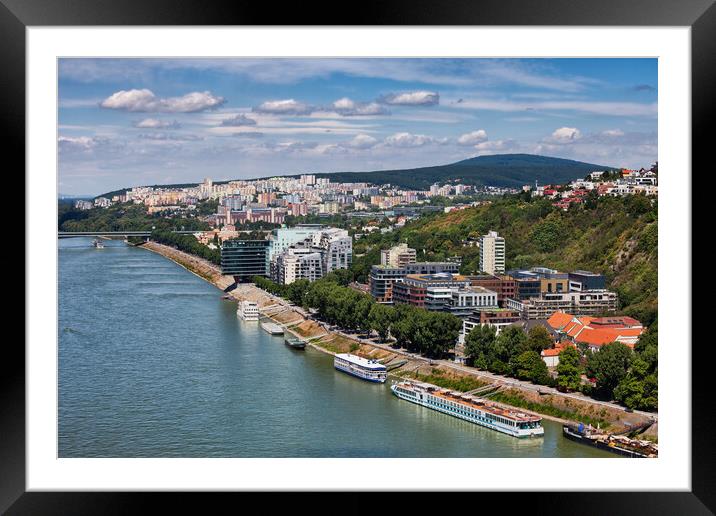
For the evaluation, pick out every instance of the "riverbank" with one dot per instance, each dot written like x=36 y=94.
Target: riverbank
x=552 y=405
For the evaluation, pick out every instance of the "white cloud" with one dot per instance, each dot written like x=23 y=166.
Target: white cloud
x=153 y=123
x=347 y=107
x=238 y=121
x=497 y=146
x=408 y=140
x=564 y=135
x=145 y=101
x=362 y=141
x=284 y=107
x=412 y=98
x=473 y=138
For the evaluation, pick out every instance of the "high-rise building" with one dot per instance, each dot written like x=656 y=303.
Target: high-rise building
x=397 y=256
x=492 y=253
x=298 y=263
x=244 y=259
x=332 y=247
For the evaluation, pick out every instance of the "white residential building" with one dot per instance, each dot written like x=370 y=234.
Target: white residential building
x=492 y=253
x=397 y=256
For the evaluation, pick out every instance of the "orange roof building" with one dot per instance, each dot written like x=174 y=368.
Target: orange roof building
x=597 y=331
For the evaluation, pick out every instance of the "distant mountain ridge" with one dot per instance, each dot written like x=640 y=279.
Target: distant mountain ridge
x=502 y=170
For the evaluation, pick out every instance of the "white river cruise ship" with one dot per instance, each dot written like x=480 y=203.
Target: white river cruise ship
x=248 y=310
x=470 y=408
x=370 y=370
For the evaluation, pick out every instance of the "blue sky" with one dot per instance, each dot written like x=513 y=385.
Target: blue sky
x=130 y=122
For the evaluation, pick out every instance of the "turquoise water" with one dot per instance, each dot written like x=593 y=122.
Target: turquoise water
x=153 y=363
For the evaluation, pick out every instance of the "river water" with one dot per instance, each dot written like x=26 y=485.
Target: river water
x=153 y=363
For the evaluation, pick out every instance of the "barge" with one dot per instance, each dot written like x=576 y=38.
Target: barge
x=272 y=328
x=470 y=408
x=619 y=444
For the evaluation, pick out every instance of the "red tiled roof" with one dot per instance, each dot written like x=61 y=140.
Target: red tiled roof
x=559 y=320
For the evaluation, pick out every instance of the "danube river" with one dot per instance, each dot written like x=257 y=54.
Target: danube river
x=153 y=363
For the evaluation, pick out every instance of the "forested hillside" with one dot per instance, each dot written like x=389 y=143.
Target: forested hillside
x=505 y=170
x=614 y=236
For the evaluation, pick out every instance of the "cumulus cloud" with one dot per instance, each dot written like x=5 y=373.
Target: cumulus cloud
x=348 y=107
x=564 y=135
x=238 y=121
x=170 y=137
x=412 y=98
x=473 y=138
x=497 y=146
x=153 y=123
x=146 y=101
x=283 y=107
x=408 y=140
x=79 y=142
x=362 y=141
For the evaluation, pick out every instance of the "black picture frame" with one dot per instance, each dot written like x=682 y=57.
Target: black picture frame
x=17 y=15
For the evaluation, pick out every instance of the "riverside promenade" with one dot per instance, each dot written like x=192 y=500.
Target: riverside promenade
x=330 y=340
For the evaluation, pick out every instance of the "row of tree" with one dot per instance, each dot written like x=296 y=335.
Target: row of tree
x=188 y=244
x=416 y=329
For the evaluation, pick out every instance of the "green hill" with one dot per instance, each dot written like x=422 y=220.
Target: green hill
x=613 y=236
x=504 y=170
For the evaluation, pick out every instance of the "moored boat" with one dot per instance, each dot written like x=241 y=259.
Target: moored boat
x=363 y=368
x=295 y=342
x=248 y=310
x=272 y=328
x=618 y=444
x=470 y=408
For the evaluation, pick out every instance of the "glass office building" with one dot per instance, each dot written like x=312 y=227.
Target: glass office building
x=245 y=259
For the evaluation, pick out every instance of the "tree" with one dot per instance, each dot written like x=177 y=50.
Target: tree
x=639 y=388
x=530 y=366
x=539 y=339
x=569 y=369
x=479 y=345
x=609 y=366
x=380 y=318
x=443 y=330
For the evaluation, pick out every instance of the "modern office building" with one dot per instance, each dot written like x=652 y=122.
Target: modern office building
x=503 y=285
x=497 y=317
x=245 y=259
x=383 y=277
x=492 y=253
x=585 y=280
x=282 y=238
x=381 y=280
x=550 y=281
x=588 y=302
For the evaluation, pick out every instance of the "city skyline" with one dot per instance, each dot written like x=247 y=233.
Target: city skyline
x=128 y=122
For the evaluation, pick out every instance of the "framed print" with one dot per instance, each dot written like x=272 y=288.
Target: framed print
x=418 y=253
